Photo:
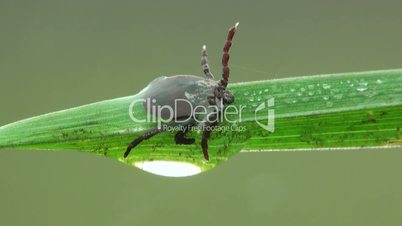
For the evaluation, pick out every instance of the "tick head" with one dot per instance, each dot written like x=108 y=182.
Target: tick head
x=228 y=97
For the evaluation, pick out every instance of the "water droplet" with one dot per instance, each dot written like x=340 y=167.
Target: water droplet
x=348 y=81
x=302 y=89
x=329 y=104
x=370 y=93
x=310 y=93
x=246 y=93
x=325 y=97
x=334 y=91
x=292 y=90
x=266 y=90
x=251 y=99
x=259 y=99
x=299 y=94
x=294 y=101
x=362 y=86
x=254 y=105
x=326 y=86
x=338 y=96
x=310 y=86
x=379 y=81
x=259 y=92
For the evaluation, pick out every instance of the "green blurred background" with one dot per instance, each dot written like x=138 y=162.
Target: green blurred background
x=59 y=54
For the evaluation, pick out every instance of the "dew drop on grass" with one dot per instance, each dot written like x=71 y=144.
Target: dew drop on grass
x=338 y=96
x=302 y=89
x=266 y=90
x=292 y=90
x=310 y=93
x=325 y=97
x=329 y=104
x=361 y=86
x=379 y=81
x=326 y=86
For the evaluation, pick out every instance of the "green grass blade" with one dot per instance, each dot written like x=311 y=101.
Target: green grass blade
x=311 y=113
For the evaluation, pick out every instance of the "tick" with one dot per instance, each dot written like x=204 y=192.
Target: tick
x=206 y=95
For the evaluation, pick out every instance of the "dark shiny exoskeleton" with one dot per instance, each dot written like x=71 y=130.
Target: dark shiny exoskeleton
x=198 y=91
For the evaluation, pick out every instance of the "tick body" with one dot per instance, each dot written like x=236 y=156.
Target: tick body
x=185 y=94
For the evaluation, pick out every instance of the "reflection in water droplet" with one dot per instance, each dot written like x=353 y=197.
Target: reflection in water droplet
x=169 y=168
x=329 y=104
x=326 y=86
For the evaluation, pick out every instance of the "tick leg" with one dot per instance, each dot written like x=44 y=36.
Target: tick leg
x=141 y=138
x=205 y=137
x=225 y=56
x=180 y=136
x=204 y=63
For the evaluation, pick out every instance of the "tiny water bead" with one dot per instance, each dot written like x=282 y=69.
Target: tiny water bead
x=329 y=104
x=338 y=96
x=361 y=86
x=325 y=97
x=310 y=86
x=326 y=86
x=379 y=81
